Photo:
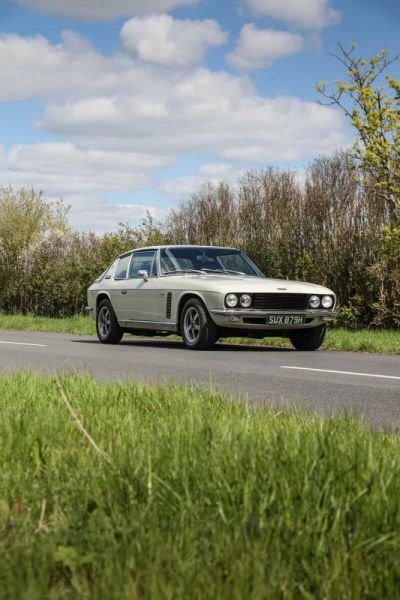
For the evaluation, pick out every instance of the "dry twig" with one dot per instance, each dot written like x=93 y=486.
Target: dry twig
x=41 y=525
x=78 y=423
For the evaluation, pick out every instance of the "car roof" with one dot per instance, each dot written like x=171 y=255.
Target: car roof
x=175 y=246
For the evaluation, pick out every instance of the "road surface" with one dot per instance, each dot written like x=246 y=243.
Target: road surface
x=364 y=385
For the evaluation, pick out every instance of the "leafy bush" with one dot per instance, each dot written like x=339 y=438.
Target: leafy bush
x=46 y=267
x=386 y=276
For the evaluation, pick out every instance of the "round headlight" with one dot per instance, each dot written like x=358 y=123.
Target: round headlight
x=327 y=302
x=231 y=300
x=315 y=301
x=245 y=300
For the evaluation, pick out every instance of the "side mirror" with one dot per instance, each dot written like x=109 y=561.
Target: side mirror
x=144 y=275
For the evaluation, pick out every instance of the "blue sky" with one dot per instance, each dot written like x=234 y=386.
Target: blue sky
x=130 y=105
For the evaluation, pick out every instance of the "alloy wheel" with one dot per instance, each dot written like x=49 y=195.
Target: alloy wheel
x=104 y=321
x=192 y=324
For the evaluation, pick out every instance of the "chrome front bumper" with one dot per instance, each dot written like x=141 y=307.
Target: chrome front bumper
x=238 y=318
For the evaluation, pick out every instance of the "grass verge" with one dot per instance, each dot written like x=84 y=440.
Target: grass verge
x=77 y=325
x=380 y=342
x=367 y=340
x=197 y=497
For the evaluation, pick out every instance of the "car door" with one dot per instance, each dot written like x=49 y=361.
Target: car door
x=118 y=287
x=142 y=297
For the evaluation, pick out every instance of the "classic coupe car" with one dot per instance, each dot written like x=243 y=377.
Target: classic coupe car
x=204 y=294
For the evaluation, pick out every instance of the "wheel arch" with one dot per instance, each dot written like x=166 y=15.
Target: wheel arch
x=181 y=303
x=100 y=297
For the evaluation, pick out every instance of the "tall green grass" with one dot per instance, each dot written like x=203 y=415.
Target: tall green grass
x=196 y=497
x=365 y=340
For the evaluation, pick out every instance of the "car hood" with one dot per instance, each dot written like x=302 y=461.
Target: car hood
x=254 y=285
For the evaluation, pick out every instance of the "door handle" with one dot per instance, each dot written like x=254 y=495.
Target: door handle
x=124 y=292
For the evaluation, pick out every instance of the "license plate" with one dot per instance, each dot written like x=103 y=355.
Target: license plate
x=285 y=320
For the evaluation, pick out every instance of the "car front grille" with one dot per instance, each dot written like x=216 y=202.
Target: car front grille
x=281 y=301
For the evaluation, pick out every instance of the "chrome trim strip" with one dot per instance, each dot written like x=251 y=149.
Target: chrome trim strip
x=158 y=263
x=151 y=325
x=262 y=313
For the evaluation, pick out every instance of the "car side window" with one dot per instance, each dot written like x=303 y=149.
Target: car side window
x=122 y=267
x=143 y=261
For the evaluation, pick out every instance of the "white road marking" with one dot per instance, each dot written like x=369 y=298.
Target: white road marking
x=343 y=372
x=25 y=344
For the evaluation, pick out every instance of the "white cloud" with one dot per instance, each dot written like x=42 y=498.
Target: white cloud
x=162 y=40
x=260 y=48
x=96 y=213
x=85 y=179
x=63 y=169
x=119 y=104
x=183 y=187
x=98 y=10
x=201 y=112
x=307 y=14
x=180 y=187
x=124 y=119
x=34 y=67
x=221 y=171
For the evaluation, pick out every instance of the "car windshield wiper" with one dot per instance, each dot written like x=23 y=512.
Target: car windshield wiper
x=230 y=271
x=177 y=271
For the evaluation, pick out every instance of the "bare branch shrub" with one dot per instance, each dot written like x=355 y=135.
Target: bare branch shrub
x=329 y=229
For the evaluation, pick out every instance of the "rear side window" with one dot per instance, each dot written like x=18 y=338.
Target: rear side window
x=101 y=277
x=122 y=268
x=107 y=274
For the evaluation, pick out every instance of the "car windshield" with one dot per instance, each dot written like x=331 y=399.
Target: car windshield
x=207 y=260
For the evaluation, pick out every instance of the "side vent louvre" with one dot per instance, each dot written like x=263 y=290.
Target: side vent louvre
x=169 y=305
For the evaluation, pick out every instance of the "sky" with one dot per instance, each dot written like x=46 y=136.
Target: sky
x=126 y=106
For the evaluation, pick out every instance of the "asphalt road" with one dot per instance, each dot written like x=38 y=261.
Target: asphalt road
x=364 y=385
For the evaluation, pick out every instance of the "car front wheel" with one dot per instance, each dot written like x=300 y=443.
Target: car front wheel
x=309 y=339
x=198 y=330
x=108 y=330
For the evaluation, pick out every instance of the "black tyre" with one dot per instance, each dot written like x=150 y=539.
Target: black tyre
x=308 y=339
x=198 y=330
x=108 y=330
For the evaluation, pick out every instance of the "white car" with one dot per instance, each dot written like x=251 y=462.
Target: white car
x=204 y=293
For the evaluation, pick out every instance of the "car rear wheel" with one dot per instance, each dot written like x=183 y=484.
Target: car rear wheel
x=309 y=339
x=108 y=330
x=198 y=330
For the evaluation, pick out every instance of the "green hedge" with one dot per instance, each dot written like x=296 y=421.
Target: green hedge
x=330 y=229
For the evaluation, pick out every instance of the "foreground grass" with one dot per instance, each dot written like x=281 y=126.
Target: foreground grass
x=196 y=497
x=383 y=341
